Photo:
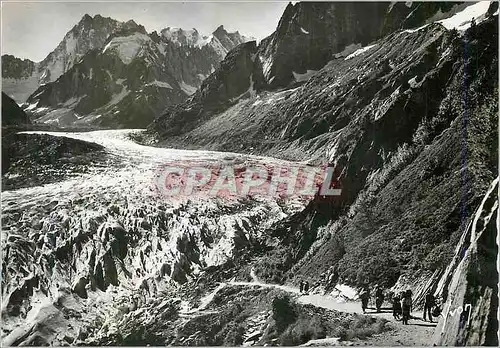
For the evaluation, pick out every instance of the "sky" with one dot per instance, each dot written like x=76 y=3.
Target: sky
x=33 y=29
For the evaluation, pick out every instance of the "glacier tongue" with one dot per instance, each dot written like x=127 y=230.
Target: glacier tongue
x=93 y=243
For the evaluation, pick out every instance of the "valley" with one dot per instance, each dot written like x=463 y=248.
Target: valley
x=109 y=236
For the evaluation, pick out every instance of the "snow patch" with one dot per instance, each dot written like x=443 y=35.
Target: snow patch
x=161 y=84
x=127 y=47
x=304 y=77
x=188 y=89
x=116 y=98
x=413 y=81
x=462 y=20
x=32 y=106
x=72 y=101
x=42 y=109
x=415 y=30
x=348 y=50
x=359 y=51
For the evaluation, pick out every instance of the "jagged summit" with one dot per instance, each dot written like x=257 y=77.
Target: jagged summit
x=220 y=28
x=86 y=17
x=180 y=36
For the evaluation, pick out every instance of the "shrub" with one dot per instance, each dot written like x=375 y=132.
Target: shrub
x=284 y=312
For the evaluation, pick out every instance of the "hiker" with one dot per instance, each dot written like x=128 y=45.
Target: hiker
x=406 y=307
x=301 y=286
x=430 y=302
x=396 y=308
x=379 y=298
x=334 y=277
x=306 y=286
x=364 y=296
x=436 y=311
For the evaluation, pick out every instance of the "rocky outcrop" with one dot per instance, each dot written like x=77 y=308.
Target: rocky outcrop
x=308 y=34
x=15 y=68
x=232 y=80
x=12 y=114
x=470 y=283
x=30 y=160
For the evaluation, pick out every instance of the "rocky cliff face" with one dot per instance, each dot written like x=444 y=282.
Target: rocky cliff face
x=131 y=77
x=232 y=80
x=470 y=283
x=411 y=14
x=89 y=33
x=309 y=34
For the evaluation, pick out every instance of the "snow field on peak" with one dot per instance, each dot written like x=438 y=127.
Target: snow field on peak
x=127 y=47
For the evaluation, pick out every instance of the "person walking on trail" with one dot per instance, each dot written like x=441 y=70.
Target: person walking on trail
x=301 y=286
x=306 y=286
x=406 y=307
x=430 y=302
x=396 y=308
x=364 y=297
x=379 y=298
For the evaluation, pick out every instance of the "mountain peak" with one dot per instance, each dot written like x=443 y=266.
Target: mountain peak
x=220 y=31
x=86 y=17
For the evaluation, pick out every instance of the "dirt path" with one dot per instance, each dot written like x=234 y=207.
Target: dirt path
x=417 y=333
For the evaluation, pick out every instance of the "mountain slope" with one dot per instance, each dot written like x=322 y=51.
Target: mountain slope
x=12 y=114
x=308 y=36
x=390 y=118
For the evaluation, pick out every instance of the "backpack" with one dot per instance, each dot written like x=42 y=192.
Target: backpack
x=436 y=311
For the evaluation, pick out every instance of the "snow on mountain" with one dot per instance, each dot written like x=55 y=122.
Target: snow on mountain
x=462 y=20
x=185 y=37
x=220 y=40
x=127 y=47
x=132 y=77
x=359 y=51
